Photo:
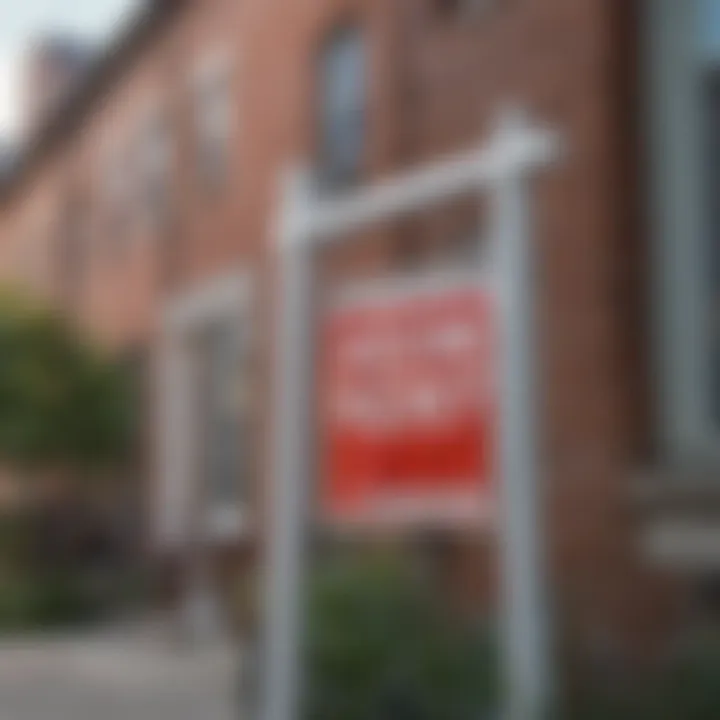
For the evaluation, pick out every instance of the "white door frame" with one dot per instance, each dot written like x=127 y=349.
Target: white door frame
x=227 y=297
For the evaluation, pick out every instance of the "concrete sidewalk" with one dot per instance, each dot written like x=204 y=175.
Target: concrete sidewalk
x=115 y=676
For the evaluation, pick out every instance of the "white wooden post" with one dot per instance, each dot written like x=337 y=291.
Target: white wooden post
x=291 y=452
x=502 y=168
x=525 y=621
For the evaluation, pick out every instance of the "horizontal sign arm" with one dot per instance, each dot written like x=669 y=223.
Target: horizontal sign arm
x=516 y=148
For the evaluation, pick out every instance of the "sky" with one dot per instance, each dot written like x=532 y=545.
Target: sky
x=22 y=20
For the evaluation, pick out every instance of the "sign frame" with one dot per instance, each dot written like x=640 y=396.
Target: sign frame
x=503 y=167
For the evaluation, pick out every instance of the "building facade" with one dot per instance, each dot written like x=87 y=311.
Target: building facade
x=146 y=205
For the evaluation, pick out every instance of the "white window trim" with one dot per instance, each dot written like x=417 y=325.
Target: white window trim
x=175 y=496
x=689 y=544
x=218 y=299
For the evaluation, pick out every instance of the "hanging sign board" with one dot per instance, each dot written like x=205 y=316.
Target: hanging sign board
x=409 y=410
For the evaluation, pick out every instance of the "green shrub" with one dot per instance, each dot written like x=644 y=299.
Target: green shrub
x=687 y=687
x=45 y=603
x=16 y=543
x=381 y=645
x=48 y=372
x=39 y=590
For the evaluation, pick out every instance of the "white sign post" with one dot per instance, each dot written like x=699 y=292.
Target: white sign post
x=502 y=168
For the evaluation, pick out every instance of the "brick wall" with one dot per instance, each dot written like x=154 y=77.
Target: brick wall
x=436 y=83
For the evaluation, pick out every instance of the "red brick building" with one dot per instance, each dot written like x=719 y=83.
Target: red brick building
x=145 y=206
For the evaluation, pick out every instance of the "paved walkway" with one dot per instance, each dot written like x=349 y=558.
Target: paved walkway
x=115 y=676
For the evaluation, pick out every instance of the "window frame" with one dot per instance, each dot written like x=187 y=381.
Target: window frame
x=680 y=293
x=117 y=206
x=213 y=72
x=227 y=298
x=155 y=162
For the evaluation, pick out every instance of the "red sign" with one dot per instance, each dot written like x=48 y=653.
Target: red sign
x=409 y=411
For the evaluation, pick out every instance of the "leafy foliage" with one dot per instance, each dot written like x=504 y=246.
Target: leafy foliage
x=38 y=592
x=66 y=414
x=62 y=401
x=381 y=645
x=46 y=602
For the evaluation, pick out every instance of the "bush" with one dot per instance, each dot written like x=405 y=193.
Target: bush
x=42 y=586
x=382 y=646
x=67 y=418
x=45 y=603
x=48 y=371
x=686 y=688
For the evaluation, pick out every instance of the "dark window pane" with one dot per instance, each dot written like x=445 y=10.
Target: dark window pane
x=342 y=84
x=224 y=454
x=712 y=214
